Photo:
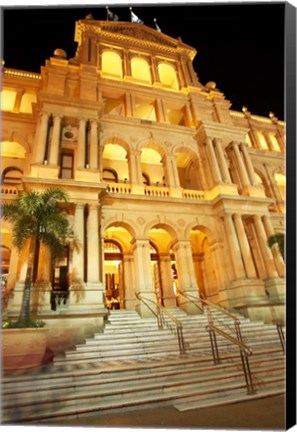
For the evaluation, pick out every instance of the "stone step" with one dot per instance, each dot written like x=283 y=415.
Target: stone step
x=197 y=403
x=176 y=387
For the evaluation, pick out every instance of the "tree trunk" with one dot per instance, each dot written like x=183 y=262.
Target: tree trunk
x=25 y=310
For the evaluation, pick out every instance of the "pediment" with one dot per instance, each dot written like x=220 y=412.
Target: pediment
x=139 y=32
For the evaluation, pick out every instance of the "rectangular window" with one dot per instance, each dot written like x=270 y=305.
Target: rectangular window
x=66 y=165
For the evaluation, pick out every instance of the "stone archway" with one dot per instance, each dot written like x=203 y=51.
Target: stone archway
x=118 y=267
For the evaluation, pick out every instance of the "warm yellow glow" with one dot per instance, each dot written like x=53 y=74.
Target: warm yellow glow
x=247 y=139
x=140 y=69
x=150 y=156
x=168 y=76
x=114 y=152
x=281 y=184
x=175 y=117
x=12 y=149
x=112 y=64
x=145 y=112
x=8 y=100
x=262 y=141
x=161 y=238
x=182 y=159
x=26 y=103
x=274 y=142
x=4 y=230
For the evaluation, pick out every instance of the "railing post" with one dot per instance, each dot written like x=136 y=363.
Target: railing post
x=181 y=342
x=247 y=373
x=280 y=332
x=214 y=345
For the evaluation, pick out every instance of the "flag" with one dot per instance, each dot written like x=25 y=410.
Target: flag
x=134 y=18
x=110 y=16
x=156 y=25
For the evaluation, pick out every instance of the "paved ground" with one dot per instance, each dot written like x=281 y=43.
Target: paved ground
x=267 y=413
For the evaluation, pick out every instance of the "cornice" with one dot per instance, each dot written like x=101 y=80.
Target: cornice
x=133 y=34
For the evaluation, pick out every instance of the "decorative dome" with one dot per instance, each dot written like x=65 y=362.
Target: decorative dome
x=60 y=53
x=211 y=85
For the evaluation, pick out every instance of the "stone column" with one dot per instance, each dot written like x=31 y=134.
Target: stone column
x=94 y=145
x=213 y=161
x=244 y=246
x=93 y=245
x=135 y=170
x=81 y=154
x=78 y=256
x=128 y=105
x=129 y=278
x=161 y=117
x=234 y=247
x=55 y=142
x=143 y=274
x=265 y=251
x=13 y=268
x=223 y=162
x=249 y=165
x=186 y=275
x=40 y=142
x=189 y=117
x=126 y=63
x=169 y=299
x=278 y=259
x=172 y=177
x=241 y=167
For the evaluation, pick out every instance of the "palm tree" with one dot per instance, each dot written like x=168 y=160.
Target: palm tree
x=277 y=238
x=37 y=218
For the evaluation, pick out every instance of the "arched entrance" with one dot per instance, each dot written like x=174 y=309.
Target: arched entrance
x=164 y=273
x=204 y=264
x=113 y=271
x=118 y=267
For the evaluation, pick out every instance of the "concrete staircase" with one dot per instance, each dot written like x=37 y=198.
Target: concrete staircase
x=133 y=365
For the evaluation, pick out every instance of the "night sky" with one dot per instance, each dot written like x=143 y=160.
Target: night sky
x=240 y=46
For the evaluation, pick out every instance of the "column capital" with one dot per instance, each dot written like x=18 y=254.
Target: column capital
x=79 y=205
x=93 y=206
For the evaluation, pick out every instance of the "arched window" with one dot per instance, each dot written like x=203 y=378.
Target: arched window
x=274 y=142
x=140 y=69
x=112 y=64
x=281 y=184
x=110 y=175
x=12 y=176
x=168 y=76
x=262 y=141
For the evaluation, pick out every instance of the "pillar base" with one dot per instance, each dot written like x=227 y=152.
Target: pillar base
x=45 y=171
x=264 y=313
x=245 y=292
x=87 y=175
x=130 y=303
x=145 y=311
x=87 y=298
x=221 y=189
x=254 y=191
x=187 y=305
x=137 y=189
x=276 y=289
x=176 y=192
x=169 y=302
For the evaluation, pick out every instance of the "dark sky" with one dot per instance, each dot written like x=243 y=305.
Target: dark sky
x=240 y=46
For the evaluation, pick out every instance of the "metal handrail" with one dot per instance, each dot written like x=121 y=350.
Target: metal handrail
x=161 y=311
x=193 y=300
x=245 y=351
x=279 y=326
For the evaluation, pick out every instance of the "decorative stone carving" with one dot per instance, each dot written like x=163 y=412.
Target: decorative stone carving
x=69 y=133
x=140 y=220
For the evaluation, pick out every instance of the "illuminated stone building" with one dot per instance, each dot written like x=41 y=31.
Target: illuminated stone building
x=170 y=190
